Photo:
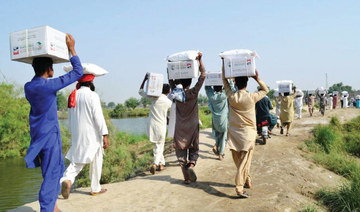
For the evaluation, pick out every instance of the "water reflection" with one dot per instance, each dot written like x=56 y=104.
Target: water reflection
x=18 y=185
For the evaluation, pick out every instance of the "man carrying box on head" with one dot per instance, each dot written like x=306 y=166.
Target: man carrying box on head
x=311 y=103
x=45 y=149
x=186 y=136
x=157 y=124
x=242 y=127
x=89 y=136
x=218 y=106
x=287 y=111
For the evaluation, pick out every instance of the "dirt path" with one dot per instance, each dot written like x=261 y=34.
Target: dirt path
x=283 y=180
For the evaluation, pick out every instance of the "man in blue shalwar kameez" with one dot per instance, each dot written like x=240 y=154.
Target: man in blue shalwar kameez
x=45 y=148
x=219 y=108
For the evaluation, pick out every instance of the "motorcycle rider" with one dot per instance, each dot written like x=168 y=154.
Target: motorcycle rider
x=263 y=108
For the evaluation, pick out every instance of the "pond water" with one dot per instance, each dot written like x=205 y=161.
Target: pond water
x=135 y=126
x=19 y=185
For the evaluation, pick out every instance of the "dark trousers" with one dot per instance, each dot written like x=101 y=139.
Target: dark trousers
x=187 y=156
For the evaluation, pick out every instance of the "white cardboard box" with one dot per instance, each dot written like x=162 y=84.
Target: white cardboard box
x=154 y=84
x=183 y=69
x=213 y=79
x=239 y=66
x=41 y=41
x=285 y=86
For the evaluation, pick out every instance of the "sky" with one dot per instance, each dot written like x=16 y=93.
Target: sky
x=296 y=40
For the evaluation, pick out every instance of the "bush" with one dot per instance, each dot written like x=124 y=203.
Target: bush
x=327 y=137
x=346 y=198
x=14 y=122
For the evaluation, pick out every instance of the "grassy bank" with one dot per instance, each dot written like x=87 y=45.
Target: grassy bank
x=205 y=117
x=128 y=113
x=337 y=147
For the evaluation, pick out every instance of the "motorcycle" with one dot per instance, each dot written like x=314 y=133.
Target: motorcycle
x=262 y=130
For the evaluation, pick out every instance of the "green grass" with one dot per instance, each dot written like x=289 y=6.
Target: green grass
x=337 y=147
x=205 y=117
x=309 y=208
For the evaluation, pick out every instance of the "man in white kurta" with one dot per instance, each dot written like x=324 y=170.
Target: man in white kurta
x=89 y=132
x=157 y=124
x=330 y=101
x=299 y=104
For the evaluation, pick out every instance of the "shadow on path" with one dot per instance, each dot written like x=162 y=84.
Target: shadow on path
x=22 y=209
x=208 y=187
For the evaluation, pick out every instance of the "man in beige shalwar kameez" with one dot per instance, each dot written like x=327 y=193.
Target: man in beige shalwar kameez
x=242 y=127
x=287 y=111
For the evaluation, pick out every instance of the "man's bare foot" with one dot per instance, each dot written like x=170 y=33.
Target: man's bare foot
x=56 y=209
x=161 y=167
x=221 y=157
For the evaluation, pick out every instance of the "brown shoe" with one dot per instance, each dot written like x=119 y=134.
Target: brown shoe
x=103 y=190
x=192 y=174
x=65 y=188
x=153 y=169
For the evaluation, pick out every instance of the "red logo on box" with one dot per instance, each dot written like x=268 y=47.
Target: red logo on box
x=16 y=50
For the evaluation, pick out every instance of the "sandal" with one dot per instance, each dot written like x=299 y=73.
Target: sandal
x=103 y=190
x=192 y=174
x=215 y=150
x=153 y=169
x=65 y=188
x=243 y=194
x=248 y=184
x=187 y=182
